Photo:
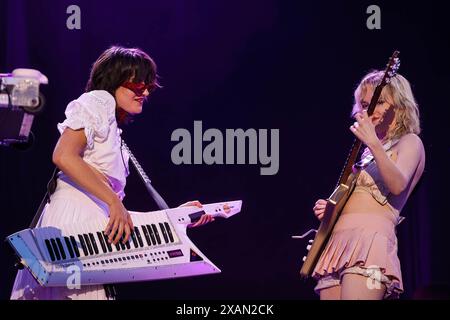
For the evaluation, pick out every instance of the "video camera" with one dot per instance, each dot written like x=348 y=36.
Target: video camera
x=20 y=101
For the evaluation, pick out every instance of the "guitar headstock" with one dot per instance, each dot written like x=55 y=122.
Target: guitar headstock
x=391 y=68
x=390 y=71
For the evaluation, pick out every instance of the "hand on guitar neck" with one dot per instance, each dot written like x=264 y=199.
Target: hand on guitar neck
x=204 y=219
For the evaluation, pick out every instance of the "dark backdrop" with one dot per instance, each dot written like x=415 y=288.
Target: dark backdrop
x=239 y=64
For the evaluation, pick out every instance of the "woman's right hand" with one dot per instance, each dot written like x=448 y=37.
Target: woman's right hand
x=119 y=224
x=319 y=208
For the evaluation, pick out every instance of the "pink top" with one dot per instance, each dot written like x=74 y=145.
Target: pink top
x=370 y=180
x=94 y=112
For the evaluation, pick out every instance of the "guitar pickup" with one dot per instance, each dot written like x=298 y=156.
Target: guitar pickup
x=338 y=193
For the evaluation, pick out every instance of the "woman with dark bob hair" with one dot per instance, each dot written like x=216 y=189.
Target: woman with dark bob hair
x=93 y=165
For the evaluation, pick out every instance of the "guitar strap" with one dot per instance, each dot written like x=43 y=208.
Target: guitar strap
x=51 y=186
x=160 y=202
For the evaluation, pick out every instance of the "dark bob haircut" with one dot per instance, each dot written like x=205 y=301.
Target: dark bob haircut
x=117 y=65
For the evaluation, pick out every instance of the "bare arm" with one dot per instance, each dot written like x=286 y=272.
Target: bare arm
x=68 y=157
x=397 y=175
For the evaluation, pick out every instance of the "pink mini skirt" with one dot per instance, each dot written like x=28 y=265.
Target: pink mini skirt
x=365 y=241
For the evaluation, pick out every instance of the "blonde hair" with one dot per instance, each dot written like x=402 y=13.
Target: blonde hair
x=399 y=94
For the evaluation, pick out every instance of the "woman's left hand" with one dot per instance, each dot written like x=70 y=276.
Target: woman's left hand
x=364 y=129
x=204 y=219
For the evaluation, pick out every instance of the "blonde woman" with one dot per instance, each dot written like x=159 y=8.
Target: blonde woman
x=360 y=260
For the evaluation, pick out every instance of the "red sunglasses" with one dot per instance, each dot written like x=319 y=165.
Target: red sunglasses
x=139 y=88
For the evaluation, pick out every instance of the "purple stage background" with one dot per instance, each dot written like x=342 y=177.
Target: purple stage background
x=240 y=64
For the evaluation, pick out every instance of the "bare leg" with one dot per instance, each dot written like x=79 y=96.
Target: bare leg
x=359 y=287
x=332 y=293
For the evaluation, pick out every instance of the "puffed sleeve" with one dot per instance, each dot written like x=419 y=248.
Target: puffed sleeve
x=94 y=112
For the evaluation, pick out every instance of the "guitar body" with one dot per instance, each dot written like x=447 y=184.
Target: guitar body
x=347 y=182
x=335 y=204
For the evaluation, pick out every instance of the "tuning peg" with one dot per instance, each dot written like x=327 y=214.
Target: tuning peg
x=308 y=247
x=304 y=259
x=311 y=241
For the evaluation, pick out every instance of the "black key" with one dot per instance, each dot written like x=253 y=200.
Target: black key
x=133 y=238
x=102 y=242
x=88 y=243
x=69 y=247
x=164 y=232
x=155 y=230
x=169 y=231
x=146 y=235
x=122 y=246
x=117 y=244
x=55 y=249
x=138 y=236
x=108 y=245
x=61 y=248
x=94 y=243
x=49 y=249
x=127 y=244
x=152 y=234
x=75 y=246
x=83 y=245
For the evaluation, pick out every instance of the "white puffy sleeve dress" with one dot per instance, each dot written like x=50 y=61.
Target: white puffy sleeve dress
x=94 y=112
